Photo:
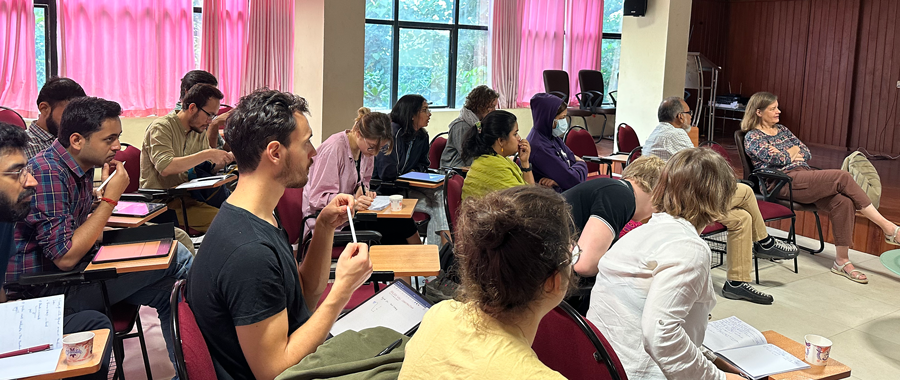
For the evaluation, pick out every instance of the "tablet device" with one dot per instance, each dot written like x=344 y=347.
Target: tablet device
x=136 y=209
x=397 y=307
x=132 y=251
x=423 y=177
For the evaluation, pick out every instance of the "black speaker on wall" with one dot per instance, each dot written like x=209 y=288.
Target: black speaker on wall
x=637 y=8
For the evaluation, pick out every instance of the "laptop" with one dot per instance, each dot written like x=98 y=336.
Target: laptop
x=136 y=209
x=397 y=307
x=423 y=177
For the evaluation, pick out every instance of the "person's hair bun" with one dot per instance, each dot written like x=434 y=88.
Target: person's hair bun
x=361 y=112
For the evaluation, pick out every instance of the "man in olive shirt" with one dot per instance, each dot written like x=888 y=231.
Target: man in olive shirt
x=175 y=144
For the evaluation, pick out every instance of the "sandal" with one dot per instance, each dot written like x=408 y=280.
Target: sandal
x=839 y=269
x=893 y=238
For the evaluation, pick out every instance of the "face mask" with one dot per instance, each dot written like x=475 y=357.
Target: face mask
x=561 y=127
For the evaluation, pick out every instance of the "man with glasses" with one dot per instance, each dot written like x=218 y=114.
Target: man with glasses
x=747 y=235
x=17 y=185
x=177 y=149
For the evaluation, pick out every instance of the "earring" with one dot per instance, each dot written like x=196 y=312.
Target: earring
x=501 y=151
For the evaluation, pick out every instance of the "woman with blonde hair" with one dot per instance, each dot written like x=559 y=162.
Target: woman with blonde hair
x=514 y=248
x=772 y=145
x=653 y=291
x=344 y=164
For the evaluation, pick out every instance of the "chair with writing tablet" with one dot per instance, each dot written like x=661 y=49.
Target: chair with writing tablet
x=574 y=347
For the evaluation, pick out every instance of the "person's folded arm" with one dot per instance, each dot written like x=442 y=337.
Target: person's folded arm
x=755 y=147
x=676 y=286
x=596 y=237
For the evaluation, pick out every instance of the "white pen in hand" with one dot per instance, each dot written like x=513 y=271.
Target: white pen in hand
x=109 y=178
x=352 y=229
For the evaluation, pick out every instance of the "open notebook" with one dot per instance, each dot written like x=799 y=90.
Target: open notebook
x=745 y=347
x=397 y=307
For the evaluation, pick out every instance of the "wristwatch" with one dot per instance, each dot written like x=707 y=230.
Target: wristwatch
x=526 y=170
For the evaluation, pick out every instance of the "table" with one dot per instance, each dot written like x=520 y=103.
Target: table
x=133 y=221
x=891 y=260
x=63 y=370
x=726 y=115
x=609 y=161
x=406 y=260
x=139 y=265
x=424 y=185
x=409 y=206
x=831 y=371
x=225 y=181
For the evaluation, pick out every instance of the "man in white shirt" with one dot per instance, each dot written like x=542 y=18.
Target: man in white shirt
x=747 y=233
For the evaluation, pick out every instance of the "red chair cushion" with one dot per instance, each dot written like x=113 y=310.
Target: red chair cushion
x=582 y=144
x=290 y=213
x=420 y=217
x=359 y=296
x=123 y=316
x=626 y=138
x=12 y=117
x=131 y=156
x=561 y=345
x=435 y=151
x=770 y=211
x=716 y=227
x=197 y=360
x=454 y=198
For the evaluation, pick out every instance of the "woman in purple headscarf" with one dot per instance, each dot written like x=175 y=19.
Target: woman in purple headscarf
x=555 y=166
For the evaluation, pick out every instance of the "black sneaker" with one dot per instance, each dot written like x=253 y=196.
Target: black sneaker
x=746 y=292
x=781 y=250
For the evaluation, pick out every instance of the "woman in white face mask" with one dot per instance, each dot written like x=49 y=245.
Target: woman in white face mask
x=555 y=166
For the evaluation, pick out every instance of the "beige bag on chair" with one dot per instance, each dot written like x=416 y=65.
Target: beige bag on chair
x=865 y=175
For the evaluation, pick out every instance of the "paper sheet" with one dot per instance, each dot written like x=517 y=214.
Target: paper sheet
x=380 y=203
x=31 y=323
x=202 y=182
x=731 y=332
x=762 y=361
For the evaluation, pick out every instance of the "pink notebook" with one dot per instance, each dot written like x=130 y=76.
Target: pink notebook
x=132 y=251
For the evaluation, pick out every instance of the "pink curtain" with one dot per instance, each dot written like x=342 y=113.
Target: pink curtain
x=584 y=34
x=506 y=43
x=133 y=52
x=269 y=61
x=18 y=76
x=222 y=52
x=543 y=28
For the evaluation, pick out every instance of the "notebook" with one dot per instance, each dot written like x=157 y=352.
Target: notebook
x=136 y=209
x=745 y=347
x=423 y=177
x=136 y=243
x=380 y=203
x=397 y=307
x=204 y=182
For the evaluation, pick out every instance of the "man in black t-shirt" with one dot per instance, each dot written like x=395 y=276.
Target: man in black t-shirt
x=255 y=307
x=602 y=207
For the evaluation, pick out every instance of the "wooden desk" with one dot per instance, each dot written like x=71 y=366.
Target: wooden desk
x=140 y=265
x=132 y=221
x=424 y=185
x=831 y=371
x=406 y=260
x=64 y=370
x=409 y=206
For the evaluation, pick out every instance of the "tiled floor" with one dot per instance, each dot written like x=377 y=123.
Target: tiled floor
x=863 y=321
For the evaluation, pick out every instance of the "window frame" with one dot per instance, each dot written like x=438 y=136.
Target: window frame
x=453 y=28
x=609 y=36
x=50 y=35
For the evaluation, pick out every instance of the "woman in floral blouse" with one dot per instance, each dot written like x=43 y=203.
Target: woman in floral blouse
x=771 y=145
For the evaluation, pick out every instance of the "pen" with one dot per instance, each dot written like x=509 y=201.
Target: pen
x=110 y=177
x=25 y=351
x=352 y=229
x=390 y=348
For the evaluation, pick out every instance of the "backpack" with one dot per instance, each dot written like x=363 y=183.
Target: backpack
x=865 y=175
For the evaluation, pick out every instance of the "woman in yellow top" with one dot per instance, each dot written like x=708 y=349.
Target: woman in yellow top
x=491 y=143
x=514 y=248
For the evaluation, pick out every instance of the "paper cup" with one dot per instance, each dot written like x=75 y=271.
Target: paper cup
x=78 y=347
x=818 y=348
x=396 y=202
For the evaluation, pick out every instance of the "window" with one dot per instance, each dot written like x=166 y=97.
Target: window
x=45 y=40
x=612 y=45
x=436 y=48
x=198 y=30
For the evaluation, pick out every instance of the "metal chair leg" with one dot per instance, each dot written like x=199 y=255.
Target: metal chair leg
x=756 y=268
x=140 y=332
x=821 y=236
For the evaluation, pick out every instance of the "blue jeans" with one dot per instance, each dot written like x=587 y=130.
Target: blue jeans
x=150 y=288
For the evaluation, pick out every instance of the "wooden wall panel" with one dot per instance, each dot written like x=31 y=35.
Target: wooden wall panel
x=827 y=85
x=875 y=122
x=767 y=41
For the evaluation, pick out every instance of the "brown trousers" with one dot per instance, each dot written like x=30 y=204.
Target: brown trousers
x=834 y=192
x=745 y=226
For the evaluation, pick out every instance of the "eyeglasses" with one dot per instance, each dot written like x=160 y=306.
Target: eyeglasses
x=689 y=113
x=425 y=110
x=576 y=254
x=372 y=147
x=209 y=116
x=22 y=174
